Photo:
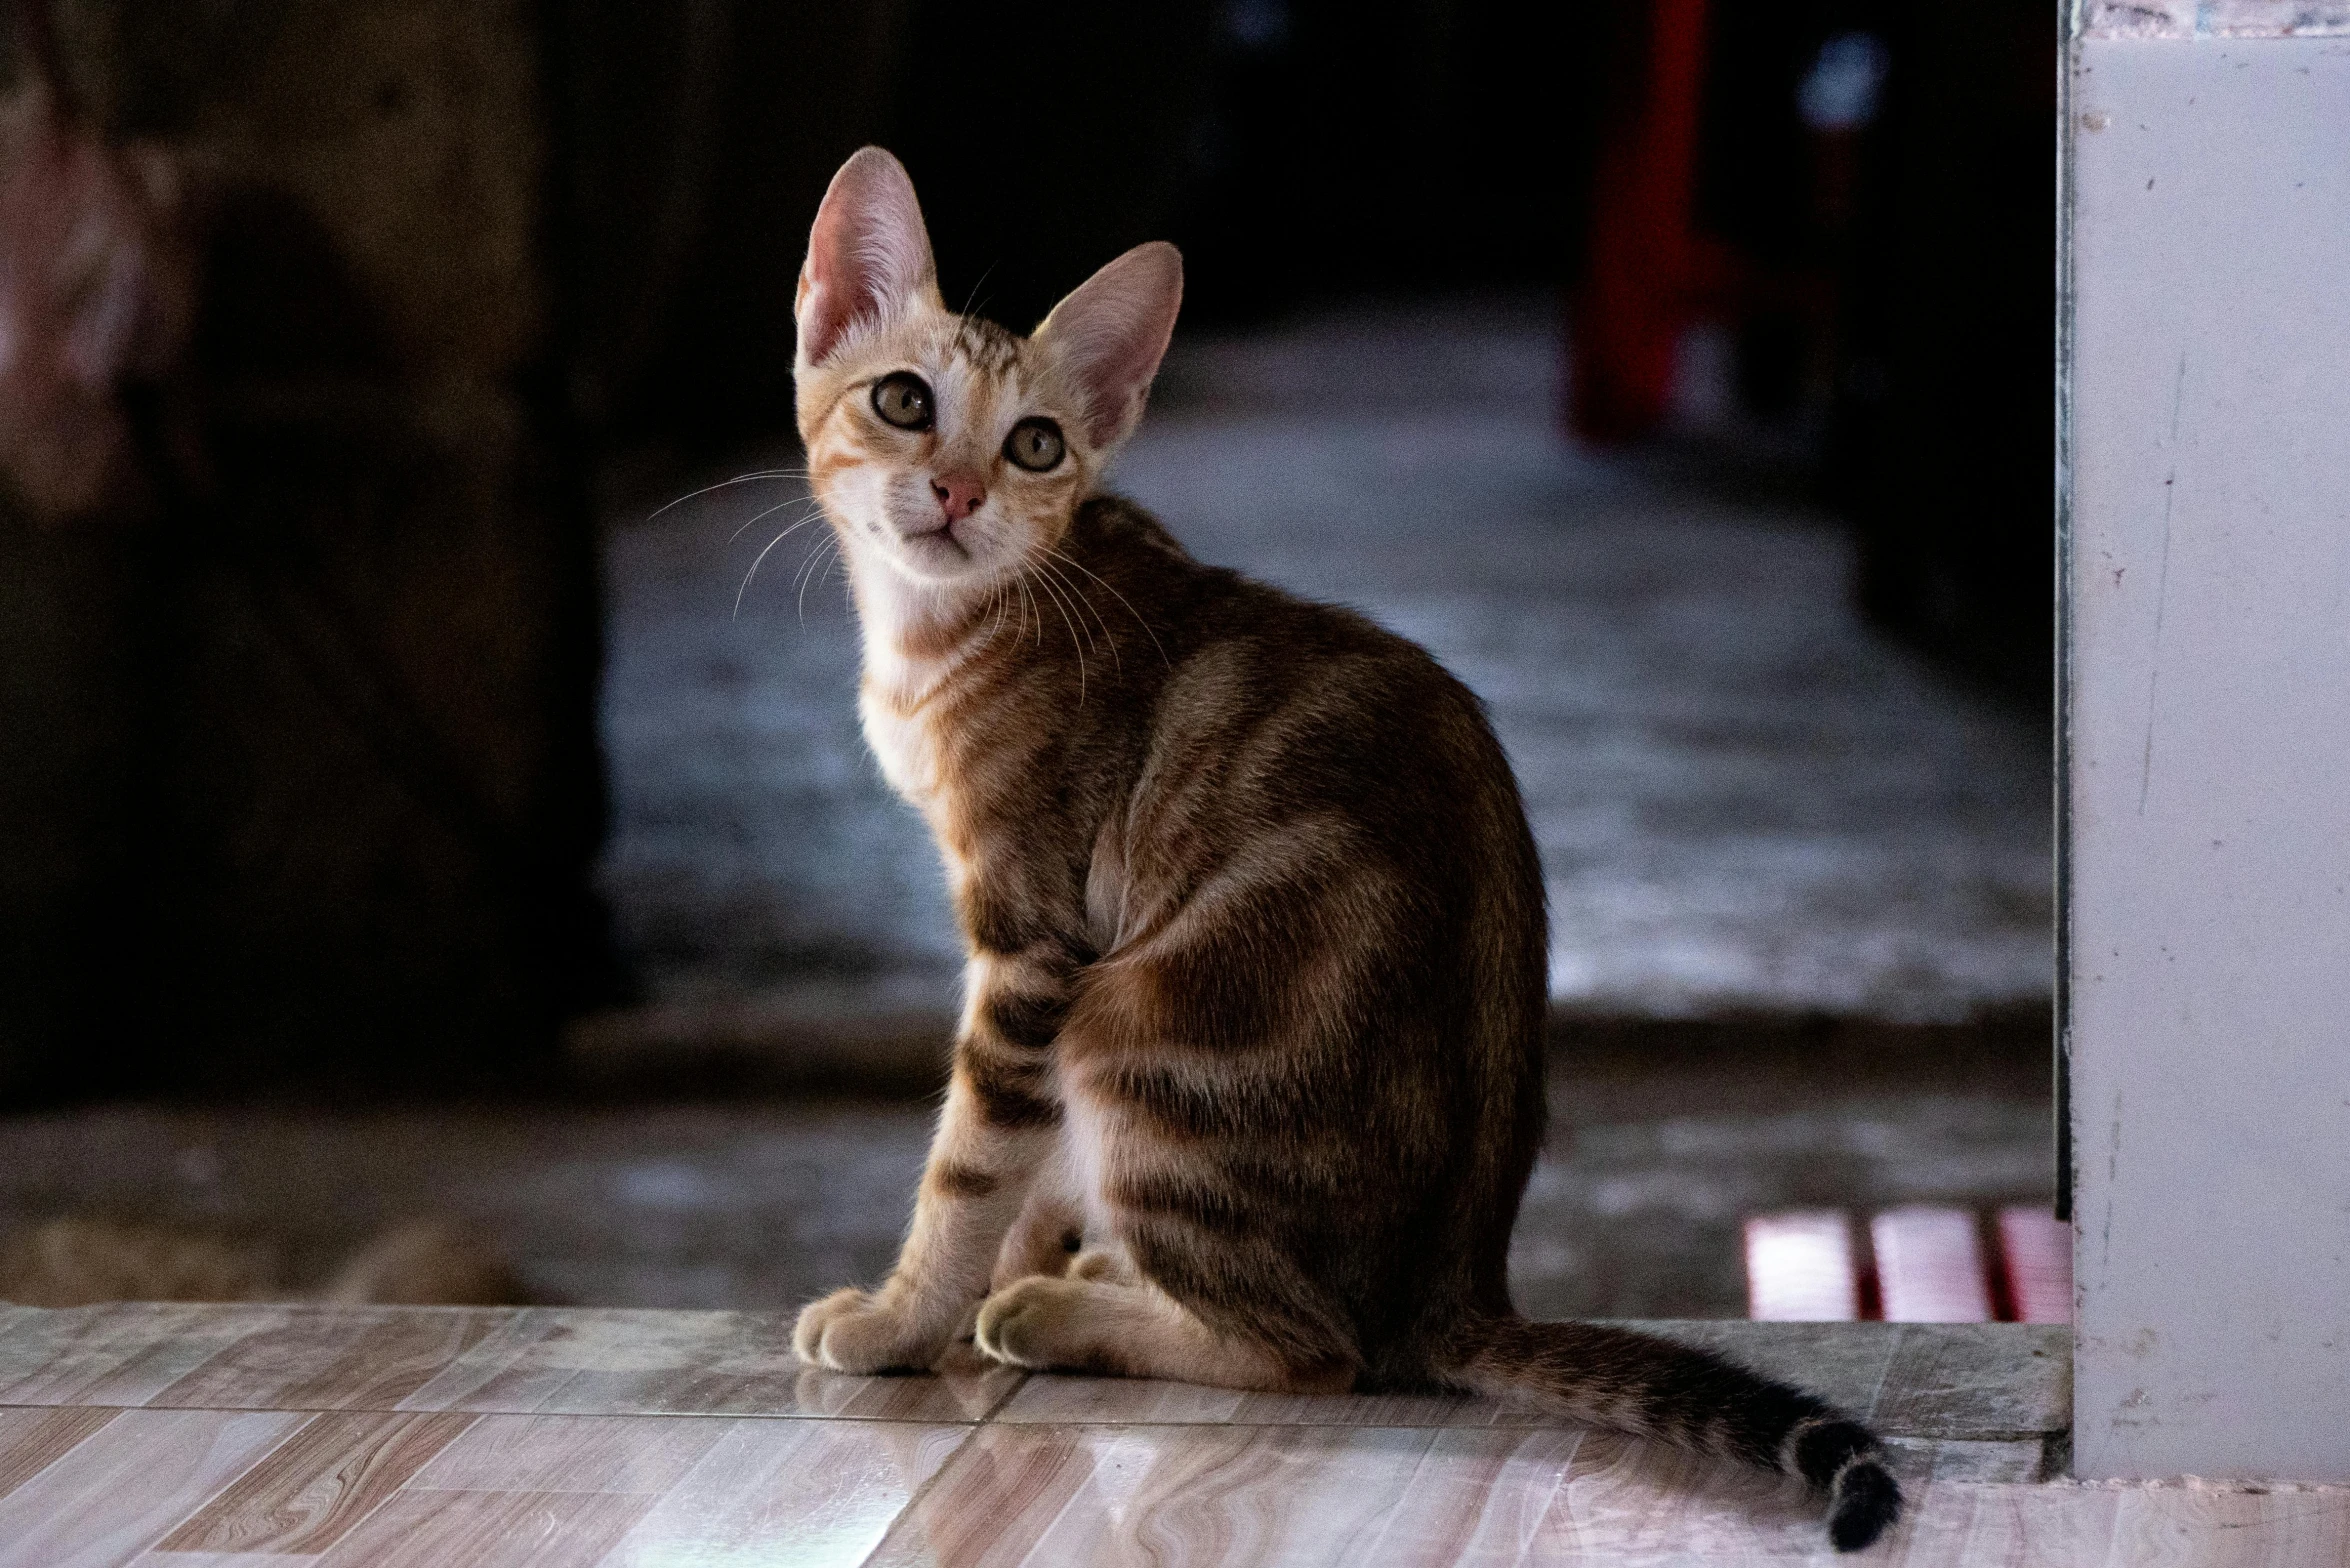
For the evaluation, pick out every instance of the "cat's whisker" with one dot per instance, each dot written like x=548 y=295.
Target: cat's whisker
x=825 y=551
x=1000 y=599
x=808 y=559
x=739 y=479
x=1121 y=598
x=770 y=512
x=753 y=572
x=1070 y=589
x=1076 y=643
x=1028 y=603
x=1086 y=599
x=971 y=301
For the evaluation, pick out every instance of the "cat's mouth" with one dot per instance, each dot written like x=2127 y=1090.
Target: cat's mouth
x=936 y=545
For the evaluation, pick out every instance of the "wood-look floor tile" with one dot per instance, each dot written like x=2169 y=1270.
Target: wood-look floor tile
x=119 y=1354
x=1958 y=1525
x=34 y=1437
x=334 y=1358
x=1475 y=1497
x=1055 y=1397
x=425 y=1529
x=1007 y=1487
x=129 y=1482
x=2231 y=1527
x=1643 y=1502
x=1790 y=1350
x=322 y=1481
x=816 y=1494
x=1966 y=1381
x=589 y=1362
x=635 y=1454
x=1292 y=1496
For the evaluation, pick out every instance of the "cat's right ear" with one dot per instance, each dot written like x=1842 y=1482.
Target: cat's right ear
x=868 y=255
x=1111 y=333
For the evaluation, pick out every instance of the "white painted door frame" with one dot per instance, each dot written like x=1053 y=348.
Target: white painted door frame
x=2205 y=540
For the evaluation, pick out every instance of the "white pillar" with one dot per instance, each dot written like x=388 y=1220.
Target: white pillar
x=2208 y=736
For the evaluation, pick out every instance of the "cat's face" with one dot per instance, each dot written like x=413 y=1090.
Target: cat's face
x=948 y=453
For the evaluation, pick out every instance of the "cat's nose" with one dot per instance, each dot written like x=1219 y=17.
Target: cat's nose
x=959 y=495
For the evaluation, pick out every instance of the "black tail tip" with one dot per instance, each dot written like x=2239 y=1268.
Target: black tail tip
x=1865 y=1502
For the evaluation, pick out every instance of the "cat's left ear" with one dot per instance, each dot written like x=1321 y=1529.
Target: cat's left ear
x=1111 y=333
x=868 y=255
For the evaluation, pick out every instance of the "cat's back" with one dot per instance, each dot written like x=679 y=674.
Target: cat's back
x=1325 y=772
x=1322 y=863
x=1278 y=703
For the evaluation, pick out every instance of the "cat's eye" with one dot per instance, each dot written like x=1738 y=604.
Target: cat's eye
x=903 y=400
x=1035 y=444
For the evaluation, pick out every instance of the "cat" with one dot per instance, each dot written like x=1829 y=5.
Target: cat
x=76 y=1261
x=1250 y=1072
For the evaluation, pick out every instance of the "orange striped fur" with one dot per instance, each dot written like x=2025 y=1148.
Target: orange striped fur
x=1250 y=1072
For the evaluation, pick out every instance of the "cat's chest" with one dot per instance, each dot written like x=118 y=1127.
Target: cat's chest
x=906 y=745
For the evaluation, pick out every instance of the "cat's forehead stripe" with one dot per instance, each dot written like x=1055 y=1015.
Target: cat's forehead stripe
x=987 y=347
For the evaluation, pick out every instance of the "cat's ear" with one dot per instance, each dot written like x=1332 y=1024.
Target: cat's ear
x=1111 y=333
x=867 y=256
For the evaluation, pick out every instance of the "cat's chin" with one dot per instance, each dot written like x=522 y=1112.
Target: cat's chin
x=940 y=558
x=938 y=552
x=936 y=571
x=934 y=564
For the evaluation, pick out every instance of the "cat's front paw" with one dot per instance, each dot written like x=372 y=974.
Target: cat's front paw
x=1036 y=1322
x=867 y=1331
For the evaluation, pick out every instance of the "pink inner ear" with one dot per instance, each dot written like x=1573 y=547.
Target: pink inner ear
x=867 y=255
x=1112 y=332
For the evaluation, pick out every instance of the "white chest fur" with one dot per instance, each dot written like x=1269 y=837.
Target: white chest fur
x=894 y=699
x=903 y=742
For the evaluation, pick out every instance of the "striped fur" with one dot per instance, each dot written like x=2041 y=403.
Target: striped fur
x=1250 y=1075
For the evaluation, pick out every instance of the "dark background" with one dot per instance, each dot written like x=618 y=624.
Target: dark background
x=299 y=779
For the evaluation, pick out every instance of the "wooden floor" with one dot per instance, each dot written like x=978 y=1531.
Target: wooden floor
x=266 y=1437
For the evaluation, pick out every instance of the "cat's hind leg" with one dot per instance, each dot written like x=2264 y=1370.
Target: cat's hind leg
x=1045 y=1238
x=1133 y=1330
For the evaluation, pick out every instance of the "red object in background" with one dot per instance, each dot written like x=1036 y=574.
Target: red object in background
x=1800 y=1268
x=1930 y=1266
x=1648 y=271
x=1926 y=1265
x=2037 y=1250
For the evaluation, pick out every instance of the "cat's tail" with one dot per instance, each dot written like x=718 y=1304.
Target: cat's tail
x=1693 y=1399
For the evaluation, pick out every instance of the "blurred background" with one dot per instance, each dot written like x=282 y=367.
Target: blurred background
x=427 y=787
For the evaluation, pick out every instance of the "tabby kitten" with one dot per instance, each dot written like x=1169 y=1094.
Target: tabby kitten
x=1256 y=990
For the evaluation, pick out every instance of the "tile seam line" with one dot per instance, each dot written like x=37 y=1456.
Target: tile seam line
x=1996 y=1435
x=997 y=1408
x=71 y=1448
x=915 y=1498
x=352 y=1524
x=148 y=1543
x=569 y=1415
x=1388 y=1515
